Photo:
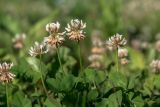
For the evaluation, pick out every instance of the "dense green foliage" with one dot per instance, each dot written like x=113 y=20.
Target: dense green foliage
x=133 y=86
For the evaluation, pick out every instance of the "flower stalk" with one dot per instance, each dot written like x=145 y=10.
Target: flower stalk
x=80 y=59
x=7 y=102
x=42 y=80
x=57 y=50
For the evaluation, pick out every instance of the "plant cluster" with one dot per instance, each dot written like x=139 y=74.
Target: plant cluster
x=61 y=80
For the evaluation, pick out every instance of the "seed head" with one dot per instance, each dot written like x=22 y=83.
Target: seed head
x=122 y=53
x=155 y=65
x=116 y=41
x=5 y=75
x=75 y=30
x=38 y=49
x=18 y=41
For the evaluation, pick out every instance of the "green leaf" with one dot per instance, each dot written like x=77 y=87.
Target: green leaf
x=118 y=79
x=68 y=82
x=100 y=76
x=103 y=103
x=90 y=75
x=54 y=84
x=138 y=101
x=92 y=95
x=115 y=99
x=48 y=103
x=21 y=100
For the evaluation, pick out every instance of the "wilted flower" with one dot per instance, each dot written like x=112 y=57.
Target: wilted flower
x=55 y=38
x=53 y=27
x=124 y=61
x=18 y=41
x=95 y=64
x=122 y=53
x=75 y=30
x=38 y=49
x=155 y=64
x=157 y=46
x=116 y=41
x=5 y=75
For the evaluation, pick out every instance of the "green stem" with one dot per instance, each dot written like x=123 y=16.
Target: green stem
x=80 y=60
x=84 y=99
x=37 y=98
x=43 y=84
x=57 y=49
x=77 y=100
x=117 y=60
x=7 y=95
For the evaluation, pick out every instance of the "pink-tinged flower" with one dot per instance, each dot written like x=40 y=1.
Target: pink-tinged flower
x=116 y=41
x=5 y=75
x=75 y=30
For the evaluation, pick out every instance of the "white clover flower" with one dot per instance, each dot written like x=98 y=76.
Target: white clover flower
x=5 y=75
x=155 y=65
x=122 y=53
x=116 y=41
x=53 y=27
x=124 y=61
x=38 y=49
x=55 y=38
x=18 y=41
x=75 y=30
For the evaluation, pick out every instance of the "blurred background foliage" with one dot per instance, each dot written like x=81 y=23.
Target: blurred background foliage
x=135 y=19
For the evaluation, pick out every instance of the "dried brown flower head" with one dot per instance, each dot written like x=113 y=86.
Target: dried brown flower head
x=155 y=65
x=38 y=49
x=18 y=41
x=55 y=38
x=122 y=53
x=116 y=41
x=5 y=75
x=75 y=30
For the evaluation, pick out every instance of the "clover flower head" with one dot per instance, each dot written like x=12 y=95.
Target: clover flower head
x=38 y=49
x=54 y=40
x=5 y=75
x=53 y=27
x=122 y=52
x=155 y=65
x=18 y=41
x=124 y=61
x=75 y=30
x=116 y=41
